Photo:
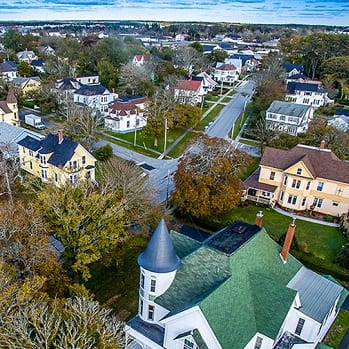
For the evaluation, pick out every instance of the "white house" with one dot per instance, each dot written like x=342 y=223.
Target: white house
x=26 y=56
x=139 y=60
x=308 y=94
x=340 y=120
x=95 y=96
x=226 y=73
x=291 y=118
x=189 y=91
x=293 y=69
x=88 y=80
x=208 y=83
x=126 y=114
x=8 y=70
x=237 y=289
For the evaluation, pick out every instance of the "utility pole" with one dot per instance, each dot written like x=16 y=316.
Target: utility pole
x=135 y=136
x=165 y=140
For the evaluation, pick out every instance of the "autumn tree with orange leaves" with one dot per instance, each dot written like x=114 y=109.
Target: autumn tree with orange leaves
x=207 y=180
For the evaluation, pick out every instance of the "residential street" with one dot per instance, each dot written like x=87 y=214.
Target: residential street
x=228 y=116
x=161 y=171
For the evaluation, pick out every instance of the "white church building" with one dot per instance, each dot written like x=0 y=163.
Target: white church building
x=235 y=289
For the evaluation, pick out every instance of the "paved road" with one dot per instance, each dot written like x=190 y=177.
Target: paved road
x=160 y=171
x=228 y=116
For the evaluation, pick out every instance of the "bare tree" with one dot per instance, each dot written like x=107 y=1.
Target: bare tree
x=83 y=123
x=75 y=323
x=127 y=179
x=10 y=175
x=188 y=58
x=24 y=240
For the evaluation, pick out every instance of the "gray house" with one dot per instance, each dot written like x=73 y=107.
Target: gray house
x=291 y=118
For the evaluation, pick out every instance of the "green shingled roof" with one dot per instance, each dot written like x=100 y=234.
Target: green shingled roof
x=184 y=245
x=250 y=285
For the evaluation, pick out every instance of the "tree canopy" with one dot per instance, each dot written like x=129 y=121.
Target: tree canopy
x=207 y=180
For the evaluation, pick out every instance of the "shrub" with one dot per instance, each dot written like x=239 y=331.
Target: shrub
x=103 y=153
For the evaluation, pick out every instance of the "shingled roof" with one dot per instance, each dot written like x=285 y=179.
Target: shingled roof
x=60 y=152
x=226 y=67
x=237 y=268
x=188 y=85
x=322 y=163
x=288 y=108
x=91 y=90
x=126 y=105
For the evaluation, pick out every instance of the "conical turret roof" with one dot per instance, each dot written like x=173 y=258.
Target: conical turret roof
x=160 y=255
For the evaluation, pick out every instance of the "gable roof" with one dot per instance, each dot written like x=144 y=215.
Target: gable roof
x=60 y=153
x=288 y=108
x=250 y=276
x=8 y=66
x=68 y=84
x=290 y=66
x=20 y=80
x=321 y=163
x=293 y=86
x=9 y=133
x=226 y=67
x=188 y=85
x=91 y=90
x=317 y=294
x=125 y=105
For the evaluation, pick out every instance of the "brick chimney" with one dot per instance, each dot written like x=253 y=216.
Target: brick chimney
x=288 y=241
x=60 y=135
x=259 y=219
x=322 y=144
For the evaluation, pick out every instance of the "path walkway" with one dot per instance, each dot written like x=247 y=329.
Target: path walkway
x=302 y=218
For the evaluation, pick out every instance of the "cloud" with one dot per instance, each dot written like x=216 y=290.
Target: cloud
x=329 y=12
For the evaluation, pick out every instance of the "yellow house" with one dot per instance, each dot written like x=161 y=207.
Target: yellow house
x=56 y=159
x=302 y=178
x=27 y=85
x=9 y=109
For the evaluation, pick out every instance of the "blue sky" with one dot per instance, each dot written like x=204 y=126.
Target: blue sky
x=329 y=12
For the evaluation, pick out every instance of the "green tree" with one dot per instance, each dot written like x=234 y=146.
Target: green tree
x=103 y=153
x=13 y=40
x=24 y=69
x=207 y=180
x=160 y=113
x=88 y=219
x=187 y=115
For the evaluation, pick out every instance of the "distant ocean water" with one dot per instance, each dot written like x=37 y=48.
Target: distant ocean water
x=329 y=12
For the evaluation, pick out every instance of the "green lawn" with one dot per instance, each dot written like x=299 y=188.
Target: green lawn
x=319 y=244
x=117 y=286
x=338 y=329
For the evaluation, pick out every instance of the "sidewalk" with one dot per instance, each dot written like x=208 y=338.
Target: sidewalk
x=302 y=218
x=174 y=144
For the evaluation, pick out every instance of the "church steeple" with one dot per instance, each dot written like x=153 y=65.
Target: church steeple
x=160 y=255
